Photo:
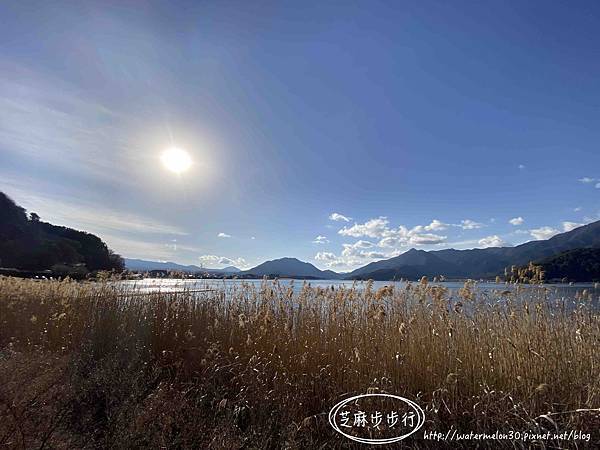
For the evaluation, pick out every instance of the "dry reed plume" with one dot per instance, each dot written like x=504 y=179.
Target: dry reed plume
x=89 y=365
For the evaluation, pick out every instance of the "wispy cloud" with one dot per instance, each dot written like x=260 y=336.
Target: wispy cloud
x=589 y=180
x=586 y=180
x=131 y=235
x=223 y=235
x=569 y=226
x=339 y=217
x=320 y=240
x=48 y=121
x=468 y=243
x=469 y=224
x=543 y=232
x=222 y=261
x=516 y=221
x=140 y=248
x=82 y=215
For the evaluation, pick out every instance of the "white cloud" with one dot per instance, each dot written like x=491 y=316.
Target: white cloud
x=352 y=252
x=516 y=221
x=222 y=261
x=579 y=208
x=491 y=241
x=543 y=232
x=402 y=236
x=436 y=225
x=223 y=235
x=363 y=244
x=362 y=252
x=209 y=258
x=321 y=240
x=374 y=228
x=426 y=239
x=252 y=237
x=521 y=166
x=569 y=226
x=592 y=218
x=327 y=257
x=469 y=224
x=356 y=249
x=461 y=245
x=339 y=217
x=586 y=180
x=396 y=237
x=350 y=258
x=353 y=255
x=391 y=242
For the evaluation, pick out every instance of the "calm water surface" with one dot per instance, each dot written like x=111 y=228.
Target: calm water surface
x=554 y=291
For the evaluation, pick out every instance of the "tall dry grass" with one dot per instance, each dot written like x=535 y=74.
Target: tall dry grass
x=90 y=365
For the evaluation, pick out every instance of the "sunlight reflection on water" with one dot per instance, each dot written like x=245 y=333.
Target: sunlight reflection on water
x=554 y=292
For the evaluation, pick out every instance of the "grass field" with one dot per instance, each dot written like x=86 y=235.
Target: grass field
x=88 y=366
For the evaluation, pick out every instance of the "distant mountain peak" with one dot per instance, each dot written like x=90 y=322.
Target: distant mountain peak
x=290 y=267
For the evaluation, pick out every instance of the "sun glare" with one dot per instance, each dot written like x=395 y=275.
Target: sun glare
x=176 y=160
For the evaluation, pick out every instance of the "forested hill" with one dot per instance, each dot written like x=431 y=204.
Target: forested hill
x=582 y=264
x=27 y=243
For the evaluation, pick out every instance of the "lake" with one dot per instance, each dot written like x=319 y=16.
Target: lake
x=555 y=291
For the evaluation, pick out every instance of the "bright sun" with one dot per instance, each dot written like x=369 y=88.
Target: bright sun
x=176 y=160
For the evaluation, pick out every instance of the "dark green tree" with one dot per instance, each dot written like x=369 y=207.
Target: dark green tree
x=28 y=243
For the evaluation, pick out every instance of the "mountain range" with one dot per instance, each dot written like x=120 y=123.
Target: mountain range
x=142 y=265
x=474 y=263
x=413 y=264
x=477 y=263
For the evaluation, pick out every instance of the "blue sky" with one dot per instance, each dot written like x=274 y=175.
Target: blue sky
x=419 y=124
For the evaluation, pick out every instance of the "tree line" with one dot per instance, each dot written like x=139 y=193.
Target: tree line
x=28 y=243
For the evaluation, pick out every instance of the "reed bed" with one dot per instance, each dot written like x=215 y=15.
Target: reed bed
x=88 y=365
